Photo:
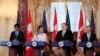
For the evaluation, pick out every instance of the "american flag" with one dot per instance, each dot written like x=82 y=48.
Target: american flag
x=92 y=22
x=92 y=25
x=44 y=23
x=68 y=20
x=18 y=18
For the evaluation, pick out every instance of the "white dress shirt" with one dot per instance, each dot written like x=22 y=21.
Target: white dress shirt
x=16 y=33
x=40 y=37
x=88 y=36
x=63 y=33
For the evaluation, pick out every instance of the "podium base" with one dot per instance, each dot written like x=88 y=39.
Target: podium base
x=35 y=52
x=89 y=53
x=12 y=52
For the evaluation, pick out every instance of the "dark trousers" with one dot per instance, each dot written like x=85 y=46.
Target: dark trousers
x=74 y=49
x=19 y=50
x=67 y=51
x=14 y=51
x=88 y=51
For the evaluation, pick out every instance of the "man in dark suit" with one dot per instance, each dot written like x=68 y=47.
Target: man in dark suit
x=18 y=35
x=89 y=36
x=65 y=35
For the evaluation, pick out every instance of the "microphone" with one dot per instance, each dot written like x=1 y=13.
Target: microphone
x=36 y=37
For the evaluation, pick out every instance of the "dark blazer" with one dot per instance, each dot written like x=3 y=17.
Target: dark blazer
x=92 y=39
x=20 y=36
x=67 y=36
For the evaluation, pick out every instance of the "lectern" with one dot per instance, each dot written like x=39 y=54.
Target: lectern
x=60 y=45
x=89 y=45
x=34 y=45
x=12 y=51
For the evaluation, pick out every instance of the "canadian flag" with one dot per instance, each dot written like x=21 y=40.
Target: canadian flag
x=55 y=26
x=80 y=28
x=29 y=35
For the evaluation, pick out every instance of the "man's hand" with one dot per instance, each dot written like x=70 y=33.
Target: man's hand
x=15 y=40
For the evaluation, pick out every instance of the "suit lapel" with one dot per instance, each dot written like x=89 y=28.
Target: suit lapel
x=89 y=38
x=18 y=34
x=65 y=33
x=61 y=35
x=86 y=37
x=15 y=34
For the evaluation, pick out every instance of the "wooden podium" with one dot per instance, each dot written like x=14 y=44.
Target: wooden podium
x=36 y=46
x=62 y=44
x=89 y=45
x=11 y=46
x=89 y=53
x=13 y=51
x=59 y=51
